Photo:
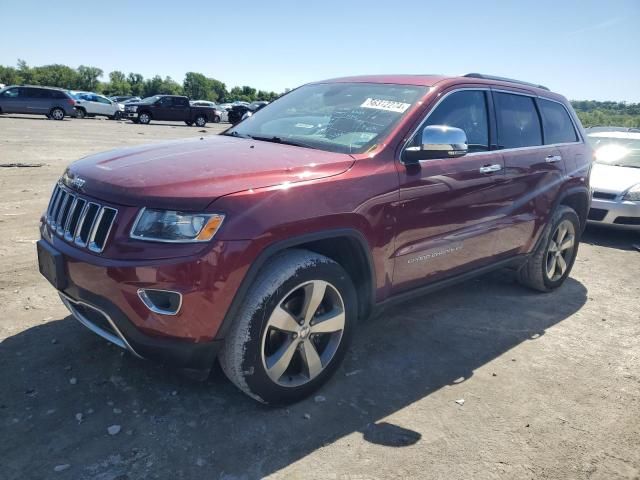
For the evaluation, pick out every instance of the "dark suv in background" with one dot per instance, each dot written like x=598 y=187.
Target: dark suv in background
x=55 y=103
x=265 y=245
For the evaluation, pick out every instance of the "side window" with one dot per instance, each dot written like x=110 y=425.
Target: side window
x=44 y=93
x=28 y=92
x=467 y=110
x=180 y=102
x=11 y=93
x=102 y=100
x=518 y=121
x=556 y=122
x=165 y=102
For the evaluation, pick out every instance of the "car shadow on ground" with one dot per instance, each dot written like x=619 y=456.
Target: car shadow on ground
x=35 y=116
x=611 y=237
x=63 y=387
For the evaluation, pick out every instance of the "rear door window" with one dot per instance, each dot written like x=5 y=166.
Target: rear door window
x=467 y=110
x=180 y=102
x=558 y=127
x=518 y=121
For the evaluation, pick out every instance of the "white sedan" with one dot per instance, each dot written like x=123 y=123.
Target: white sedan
x=615 y=177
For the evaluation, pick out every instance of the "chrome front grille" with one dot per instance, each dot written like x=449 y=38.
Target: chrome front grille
x=87 y=224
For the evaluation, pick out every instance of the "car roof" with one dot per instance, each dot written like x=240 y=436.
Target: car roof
x=432 y=80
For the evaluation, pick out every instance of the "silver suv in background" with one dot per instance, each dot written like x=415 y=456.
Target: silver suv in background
x=89 y=104
x=55 y=103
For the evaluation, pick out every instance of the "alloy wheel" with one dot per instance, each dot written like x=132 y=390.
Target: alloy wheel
x=57 y=114
x=303 y=333
x=560 y=250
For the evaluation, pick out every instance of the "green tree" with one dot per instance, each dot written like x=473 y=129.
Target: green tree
x=55 y=75
x=136 y=82
x=118 y=84
x=9 y=76
x=88 y=78
x=198 y=87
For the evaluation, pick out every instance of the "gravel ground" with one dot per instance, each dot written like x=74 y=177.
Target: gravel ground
x=481 y=380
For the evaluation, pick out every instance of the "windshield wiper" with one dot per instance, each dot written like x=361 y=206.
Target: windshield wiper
x=281 y=140
x=235 y=134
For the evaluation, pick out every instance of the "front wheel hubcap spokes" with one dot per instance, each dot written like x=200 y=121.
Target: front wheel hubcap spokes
x=306 y=339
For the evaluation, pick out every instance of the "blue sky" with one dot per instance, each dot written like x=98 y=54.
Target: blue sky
x=582 y=49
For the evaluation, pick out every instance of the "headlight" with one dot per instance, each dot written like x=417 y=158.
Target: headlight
x=132 y=108
x=175 y=227
x=633 y=194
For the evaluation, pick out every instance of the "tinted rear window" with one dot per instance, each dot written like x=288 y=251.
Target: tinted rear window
x=518 y=121
x=557 y=124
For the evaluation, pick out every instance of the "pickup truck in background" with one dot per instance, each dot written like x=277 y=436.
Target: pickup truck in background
x=168 y=108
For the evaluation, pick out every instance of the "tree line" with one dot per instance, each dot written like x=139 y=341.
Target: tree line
x=200 y=87
x=86 y=78
x=620 y=114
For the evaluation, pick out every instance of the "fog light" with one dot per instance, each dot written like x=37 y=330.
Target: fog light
x=164 y=302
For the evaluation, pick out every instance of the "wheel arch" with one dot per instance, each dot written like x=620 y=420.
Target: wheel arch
x=579 y=199
x=346 y=246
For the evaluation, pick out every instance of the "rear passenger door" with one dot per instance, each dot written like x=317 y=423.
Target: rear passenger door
x=560 y=131
x=533 y=171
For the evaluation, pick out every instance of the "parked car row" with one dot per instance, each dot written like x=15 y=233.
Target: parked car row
x=57 y=103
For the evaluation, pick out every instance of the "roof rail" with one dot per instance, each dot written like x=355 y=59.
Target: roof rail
x=503 y=79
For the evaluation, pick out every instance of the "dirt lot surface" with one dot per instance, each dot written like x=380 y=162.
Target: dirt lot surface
x=482 y=380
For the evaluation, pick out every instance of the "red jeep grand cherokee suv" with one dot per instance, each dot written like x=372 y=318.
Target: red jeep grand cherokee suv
x=263 y=246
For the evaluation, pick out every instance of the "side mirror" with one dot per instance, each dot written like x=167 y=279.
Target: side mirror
x=438 y=141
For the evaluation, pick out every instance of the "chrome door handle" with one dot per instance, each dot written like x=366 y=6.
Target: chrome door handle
x=553 y=158
x=491 y=168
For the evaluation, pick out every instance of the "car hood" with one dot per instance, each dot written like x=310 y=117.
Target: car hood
x=190 y=174
x=612 y=179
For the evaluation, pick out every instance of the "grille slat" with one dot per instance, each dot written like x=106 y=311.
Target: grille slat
x=86 y=224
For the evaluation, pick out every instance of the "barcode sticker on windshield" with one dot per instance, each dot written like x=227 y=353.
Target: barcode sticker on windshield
x=388 y=105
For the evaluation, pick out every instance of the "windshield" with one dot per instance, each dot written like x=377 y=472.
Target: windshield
x=616 y=148
x=150 y=99
x=336 y=117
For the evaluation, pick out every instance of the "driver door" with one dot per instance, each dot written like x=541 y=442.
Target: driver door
x=453 y=212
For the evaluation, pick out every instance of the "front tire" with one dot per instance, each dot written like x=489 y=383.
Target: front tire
x=57 y=113
x=216 y=119
x=292 y=330
x=144 y=118
x=81 y=113
x=551 y=263
x=188 y=123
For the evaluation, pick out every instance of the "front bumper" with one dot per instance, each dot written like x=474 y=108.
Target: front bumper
x=125 y=114
x=105 y=319
x=615 y=213
x=103 y=295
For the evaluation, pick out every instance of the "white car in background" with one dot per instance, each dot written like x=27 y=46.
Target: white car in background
x=90 y=104
x=615 y=177
x=221 y=113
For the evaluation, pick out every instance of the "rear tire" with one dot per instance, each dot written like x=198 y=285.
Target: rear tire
x=216 y=119
x=201 y=121
x=550 y=265
x=57 y=113
x=188 y=123
x=292 y=331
